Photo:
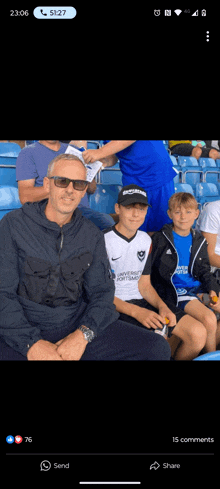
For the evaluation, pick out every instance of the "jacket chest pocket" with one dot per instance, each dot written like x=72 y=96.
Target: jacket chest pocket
x=37 y=275
x=72 y=271
x=74 y=268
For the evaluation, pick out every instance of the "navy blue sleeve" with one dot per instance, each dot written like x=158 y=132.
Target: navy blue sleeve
x=16 y=331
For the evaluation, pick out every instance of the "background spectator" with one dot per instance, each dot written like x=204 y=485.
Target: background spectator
x=185 y=148
x=31 y=168
x=145 y=163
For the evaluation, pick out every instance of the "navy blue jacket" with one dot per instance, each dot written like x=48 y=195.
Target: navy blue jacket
x=49 y=273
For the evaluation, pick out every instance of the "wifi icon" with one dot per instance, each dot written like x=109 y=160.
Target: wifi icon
x=177 y=12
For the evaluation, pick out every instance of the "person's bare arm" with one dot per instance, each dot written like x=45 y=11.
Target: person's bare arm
x=29 y=193
x=146 y=317
x=109 y=149
x=150 y=295
x=211 y=240
x=79 y=142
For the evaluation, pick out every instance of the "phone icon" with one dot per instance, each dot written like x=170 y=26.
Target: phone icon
x=42 y=12
x=45 y=465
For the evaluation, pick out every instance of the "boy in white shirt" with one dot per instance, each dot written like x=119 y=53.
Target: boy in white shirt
x=129 y=253
x=209 y=225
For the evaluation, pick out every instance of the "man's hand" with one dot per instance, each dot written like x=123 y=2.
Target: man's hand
x=43 y=350
x=92 y=155
x=73 y=346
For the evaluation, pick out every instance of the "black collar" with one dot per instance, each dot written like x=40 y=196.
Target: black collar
x=122 y=235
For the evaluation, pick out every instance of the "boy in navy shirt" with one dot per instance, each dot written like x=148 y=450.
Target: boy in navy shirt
x=181 y=270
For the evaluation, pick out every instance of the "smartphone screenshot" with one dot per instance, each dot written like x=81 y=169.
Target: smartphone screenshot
x=95 y=70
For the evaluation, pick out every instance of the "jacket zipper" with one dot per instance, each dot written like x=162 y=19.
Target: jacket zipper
x=175 y=268
x=196 y=255
x=61 y=242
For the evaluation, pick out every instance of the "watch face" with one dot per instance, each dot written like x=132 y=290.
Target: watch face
x=88 y=333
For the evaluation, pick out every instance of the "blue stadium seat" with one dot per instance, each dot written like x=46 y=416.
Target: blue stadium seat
x=93 y=145
x=8 y=156
x=111 y=175
x=210 y=170
x=178 y=177
x=105 y=197
x=191 y=172
x=8 y=175
x=203 y=162
x=213 y=356
x=9 y=149
x=206 y=192
x=9 y=200
x=187 y=161
x=183 y=187
x=9 y=153
x=174 y=160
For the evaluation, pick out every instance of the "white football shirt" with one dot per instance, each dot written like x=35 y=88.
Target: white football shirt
x=209 y=221
x=129 y=259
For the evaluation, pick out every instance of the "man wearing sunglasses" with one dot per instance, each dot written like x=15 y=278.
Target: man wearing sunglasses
x=56 y=289
x=31 y=168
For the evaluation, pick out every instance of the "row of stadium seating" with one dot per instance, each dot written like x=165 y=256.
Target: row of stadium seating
x=105 y=197
x=192 y=171
x=201 y=178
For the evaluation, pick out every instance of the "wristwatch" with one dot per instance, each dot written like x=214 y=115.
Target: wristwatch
x=88 y=334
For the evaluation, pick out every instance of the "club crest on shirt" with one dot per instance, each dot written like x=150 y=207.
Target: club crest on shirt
x=141 y=255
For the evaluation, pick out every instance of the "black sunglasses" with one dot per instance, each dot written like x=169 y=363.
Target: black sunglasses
x=63 y=182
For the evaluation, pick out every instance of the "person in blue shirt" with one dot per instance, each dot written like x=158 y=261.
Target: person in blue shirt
x=181 y=273
x=145 y=163
x=31 y=168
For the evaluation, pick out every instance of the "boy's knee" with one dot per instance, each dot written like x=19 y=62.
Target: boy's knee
x=197 y=334
x=196 y=152
x=210 y=322
x=213 y=153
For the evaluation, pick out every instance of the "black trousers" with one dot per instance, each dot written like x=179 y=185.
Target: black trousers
x=119 y=341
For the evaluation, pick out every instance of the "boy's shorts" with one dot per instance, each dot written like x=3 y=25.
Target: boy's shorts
x=143 y=303
x=188 y=294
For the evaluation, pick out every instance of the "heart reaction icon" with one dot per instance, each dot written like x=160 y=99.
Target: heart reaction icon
x=18 y=439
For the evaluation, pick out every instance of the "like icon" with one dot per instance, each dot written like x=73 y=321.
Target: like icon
x=10 y=439
x=18 y=439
